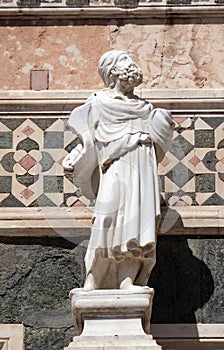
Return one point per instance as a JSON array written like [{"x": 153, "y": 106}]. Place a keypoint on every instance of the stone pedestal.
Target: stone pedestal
[{"x": 112, "y": 319}]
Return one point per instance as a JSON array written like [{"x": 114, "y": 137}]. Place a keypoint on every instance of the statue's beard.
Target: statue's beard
[{"x": 131, "y": 76}]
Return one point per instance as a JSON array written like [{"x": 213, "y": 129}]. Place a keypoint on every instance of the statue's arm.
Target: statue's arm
[
  {"x": 161, "y": 131},
  {"x": 82, "y": 160}
]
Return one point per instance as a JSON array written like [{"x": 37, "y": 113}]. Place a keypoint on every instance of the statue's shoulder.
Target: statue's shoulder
[{"x": 95, "y": 95}]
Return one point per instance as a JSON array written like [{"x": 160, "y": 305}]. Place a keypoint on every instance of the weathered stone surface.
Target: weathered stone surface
[
  {"x": 213, "y": 256},
  {"x": 12, "y": 336},
  {"x": 63, "y": 48},
  {"x": 48, "y": 338},
  {"x": 36, "y": 277},
  {"x": 174, "y": 54}
]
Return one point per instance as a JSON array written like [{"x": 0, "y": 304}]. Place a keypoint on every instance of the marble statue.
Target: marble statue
[{"x": 121, "y": 139}]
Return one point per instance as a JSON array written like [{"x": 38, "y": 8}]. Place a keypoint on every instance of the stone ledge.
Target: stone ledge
[
  {"x": 11, "y": 336},
  {"x": 171, "y": 336},
  {"x": 188, "y": 330},
  {"x": 62, "y": 102},
  {"x": 76, "y": 222},
  {"x": 108, "y": 12},
  {"x": 189, "y": 336}
]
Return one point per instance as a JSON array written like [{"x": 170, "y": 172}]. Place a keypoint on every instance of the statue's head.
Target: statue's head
[{"x": 115, "y": 65}]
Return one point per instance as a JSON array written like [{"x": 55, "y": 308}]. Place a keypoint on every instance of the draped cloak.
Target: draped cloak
[{"x": 116, "y": 164}]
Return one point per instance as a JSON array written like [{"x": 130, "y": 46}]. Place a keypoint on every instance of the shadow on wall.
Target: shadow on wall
[{"x": 183, "y": 283}]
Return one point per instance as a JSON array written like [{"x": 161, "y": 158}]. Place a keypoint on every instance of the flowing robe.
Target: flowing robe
[{"x": 116, "y": 163}]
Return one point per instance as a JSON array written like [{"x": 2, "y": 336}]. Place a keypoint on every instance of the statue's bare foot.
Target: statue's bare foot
[
  {"x": 89, "y": 283},
  {"x": 127, "y": 284}
]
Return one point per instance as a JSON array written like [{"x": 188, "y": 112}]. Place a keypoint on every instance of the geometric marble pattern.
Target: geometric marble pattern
[
  {"x": 31, "y": 154},
  {"x": 32, "y": 150},
  {"x": 192, "y": 173}
]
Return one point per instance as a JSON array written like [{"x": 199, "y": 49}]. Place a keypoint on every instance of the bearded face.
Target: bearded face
[{"x": 129, "y": 76}]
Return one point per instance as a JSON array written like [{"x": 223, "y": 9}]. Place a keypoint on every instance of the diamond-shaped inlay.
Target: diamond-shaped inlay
[
  {"x": 165, "y": 161},
  {"x": 27, "y": 193},
  {"x": 27, "y": 162},
  {"x": 180, "y": 174},
  {"x": 28, "y": 131},
  {"x": 180, "y": 147},
  {"x": 195, "y": 160}
]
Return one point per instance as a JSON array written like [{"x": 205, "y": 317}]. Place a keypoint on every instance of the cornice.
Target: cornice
[
  {"x": 75, "y": 223},
  {"x": 110, "y": 12},
  {"x": 62, "y": 102}
]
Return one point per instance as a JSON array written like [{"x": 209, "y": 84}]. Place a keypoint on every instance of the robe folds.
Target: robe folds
[{"x": 116, "y": 164}]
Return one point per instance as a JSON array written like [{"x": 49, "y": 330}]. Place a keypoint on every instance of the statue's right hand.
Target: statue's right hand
[{"x": 68, "y": 163}]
